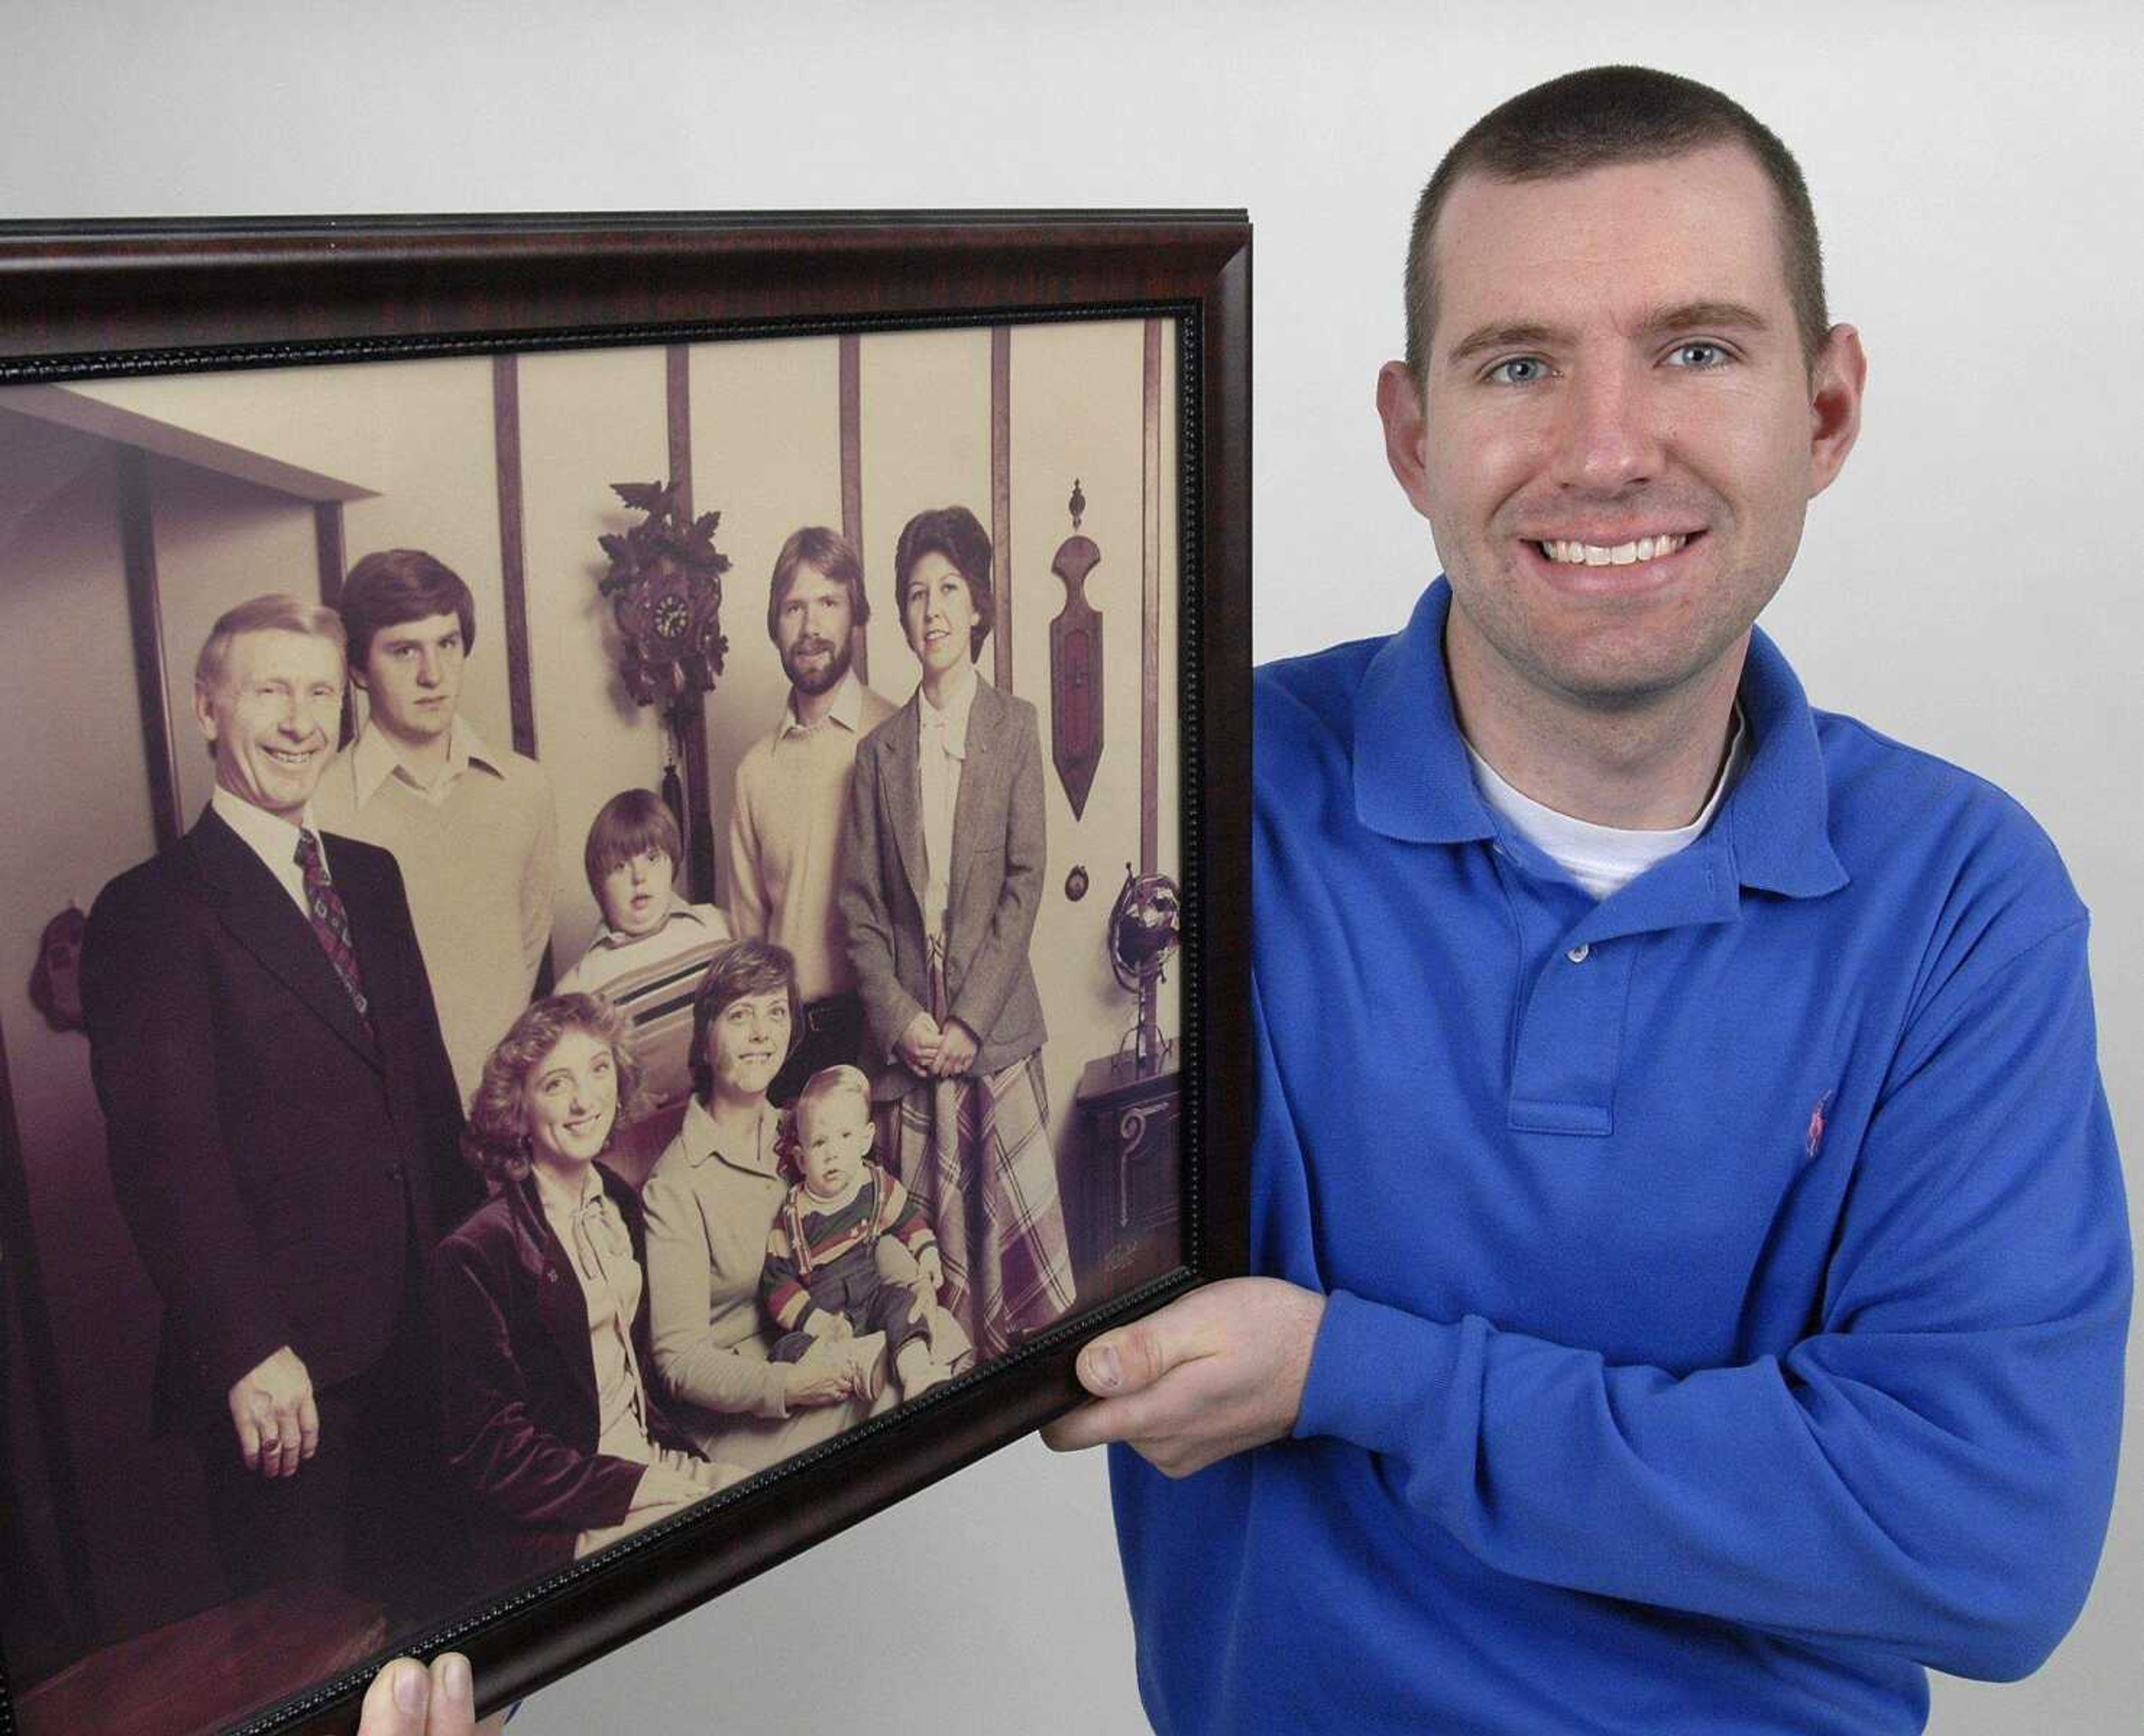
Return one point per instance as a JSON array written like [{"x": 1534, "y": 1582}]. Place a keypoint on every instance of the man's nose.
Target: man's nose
[
  {"x": 1607, "y": 439},
  {"x": 428, "y": 668}
]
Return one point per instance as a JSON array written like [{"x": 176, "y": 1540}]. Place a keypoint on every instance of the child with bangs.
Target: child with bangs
[{"x": 653, "y": 947}]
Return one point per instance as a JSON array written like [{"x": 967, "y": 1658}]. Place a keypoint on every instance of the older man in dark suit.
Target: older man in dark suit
[{"x": 281, "y": 1120}]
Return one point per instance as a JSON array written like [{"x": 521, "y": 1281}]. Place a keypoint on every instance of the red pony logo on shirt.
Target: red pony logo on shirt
[{"x": 1814, "y": 1142}]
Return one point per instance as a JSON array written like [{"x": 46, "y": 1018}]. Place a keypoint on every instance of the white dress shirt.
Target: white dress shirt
[{"x": 273, "y": 838}]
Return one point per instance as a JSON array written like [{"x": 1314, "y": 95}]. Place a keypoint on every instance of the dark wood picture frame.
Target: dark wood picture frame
[{"x": 84, "y": 302}]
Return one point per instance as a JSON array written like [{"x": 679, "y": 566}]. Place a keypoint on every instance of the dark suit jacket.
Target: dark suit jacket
[
  {"x": 518, "y": 1374},
  {"x": 281, "y": 1166},
  {"x": 1000, "y": 852}
]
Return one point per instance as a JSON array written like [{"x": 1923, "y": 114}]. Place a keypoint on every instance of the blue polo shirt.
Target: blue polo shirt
[{"x": 1728, "y": 1279}]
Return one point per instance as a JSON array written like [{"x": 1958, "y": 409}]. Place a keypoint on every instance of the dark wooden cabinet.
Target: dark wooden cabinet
[{"x": 1120, "y": 1188}]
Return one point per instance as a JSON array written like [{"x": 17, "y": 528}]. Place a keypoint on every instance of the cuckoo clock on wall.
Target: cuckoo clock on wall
[{"x": 665, "y": 587}]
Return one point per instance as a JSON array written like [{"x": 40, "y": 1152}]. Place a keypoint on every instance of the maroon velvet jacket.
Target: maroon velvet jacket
[{"x": 518, "y": 1384}]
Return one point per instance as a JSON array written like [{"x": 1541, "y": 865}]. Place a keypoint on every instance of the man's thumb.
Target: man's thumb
[{"x": 1121, "y": 1362}]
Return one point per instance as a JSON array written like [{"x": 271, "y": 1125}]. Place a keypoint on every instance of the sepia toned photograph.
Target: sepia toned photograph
[{"x": 582, "y": 923}]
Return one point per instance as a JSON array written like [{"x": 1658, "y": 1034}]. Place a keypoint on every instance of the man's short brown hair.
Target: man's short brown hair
[
  {"x": 391, "y": 586},
  {"x": 827, "y": 550},
  {"x": 1604, "y": 116}
]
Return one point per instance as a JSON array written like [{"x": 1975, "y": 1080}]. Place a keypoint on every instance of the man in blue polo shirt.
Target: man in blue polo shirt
[{"x": 1699, "y": 1264}]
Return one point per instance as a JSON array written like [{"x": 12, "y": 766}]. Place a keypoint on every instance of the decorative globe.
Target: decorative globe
[{"x": 1145, "y": 928}]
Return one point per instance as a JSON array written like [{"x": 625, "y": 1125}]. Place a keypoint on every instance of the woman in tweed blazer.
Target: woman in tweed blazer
[{"x": 942, "y": 880}]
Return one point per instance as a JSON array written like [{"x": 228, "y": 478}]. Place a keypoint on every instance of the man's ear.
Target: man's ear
[
  {"x": 1400, "y": 409},
  {"x": 204, "y": 714},
  {"x": 1836, "y": 384}
]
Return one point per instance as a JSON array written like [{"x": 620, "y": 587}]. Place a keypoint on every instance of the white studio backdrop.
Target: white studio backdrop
[{"x": 1968, "y": 585}]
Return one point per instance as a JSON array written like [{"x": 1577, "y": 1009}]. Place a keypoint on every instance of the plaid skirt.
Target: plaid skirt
[{"x": 975, "y": 1151}]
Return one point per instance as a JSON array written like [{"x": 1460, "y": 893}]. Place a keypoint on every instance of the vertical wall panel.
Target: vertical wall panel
[
  {"x": 926, "y": 427},
  {"x": 850, "y": 365},
  {"x": 768, "y": 456},
  {"x": 436, "y": 490},
  {"x": 219, "y": 541},
  {"x": 587, "y": 419},
  {"x": 78, "y": 813},
  {"x": 513, "y": 548},
  {"x": 152, "y": 664},
  {"x": 1000, "y": 518},
  {"x": 1076, "y": 392},
  {"x": 699, "y": 878}
]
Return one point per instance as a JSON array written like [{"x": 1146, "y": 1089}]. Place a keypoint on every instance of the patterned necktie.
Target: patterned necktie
[{"x": 330, "y": 921}]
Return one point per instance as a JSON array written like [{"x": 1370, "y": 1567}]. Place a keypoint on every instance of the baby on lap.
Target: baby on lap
[{"x": 822, "y": 1278}]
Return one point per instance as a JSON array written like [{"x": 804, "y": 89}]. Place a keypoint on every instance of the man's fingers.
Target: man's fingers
[
  {"x": 394, "y": 1704},
  {"x": 454, "y": 1697},
  {"x": 248, "y": 1442},
  {"x": 308, "y": 1427},
  {"x": 1151, "y": 1424},
  {"x": 1134, "y": 1418},
  {"x": 1133, "y": 1358},
  {"x": 1089, "y": 1425}
]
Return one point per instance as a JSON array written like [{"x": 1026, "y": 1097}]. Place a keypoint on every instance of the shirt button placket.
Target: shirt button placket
[{"x": 1570, "y": 1045}]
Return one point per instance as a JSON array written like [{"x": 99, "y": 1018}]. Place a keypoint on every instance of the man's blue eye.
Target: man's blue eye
[
  {"x": 1698, "y": 355},
  {"x": 1521, "y": 371}
]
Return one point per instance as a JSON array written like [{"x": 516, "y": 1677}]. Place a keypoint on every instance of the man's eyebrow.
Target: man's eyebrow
[
  {"x": 1677, "y": 316},
  {"x": 1499, "y": 337},
  {"x": 1714, "y": 316}
]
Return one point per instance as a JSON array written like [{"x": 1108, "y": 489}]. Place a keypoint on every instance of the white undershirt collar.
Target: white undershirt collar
[{"x": 1604, "y": 859}]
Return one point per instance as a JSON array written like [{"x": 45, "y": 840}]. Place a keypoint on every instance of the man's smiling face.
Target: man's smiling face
[
  {"x": 1619, "y": 433},
  {"x": 272, "y": 718}
]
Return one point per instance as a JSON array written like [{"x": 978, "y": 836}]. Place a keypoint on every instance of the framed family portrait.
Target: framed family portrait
[{"x": 625, "y": 907}]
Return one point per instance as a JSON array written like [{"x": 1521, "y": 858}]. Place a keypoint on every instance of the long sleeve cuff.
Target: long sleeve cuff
[{"x": 1376, "y": 1373}]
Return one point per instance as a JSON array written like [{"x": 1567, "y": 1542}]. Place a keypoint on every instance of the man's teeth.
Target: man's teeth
[{"x": 1621, "y": 554}]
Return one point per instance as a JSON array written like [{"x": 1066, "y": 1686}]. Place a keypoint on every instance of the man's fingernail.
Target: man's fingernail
[
  {"x": 455, "y": 1678},
  {"x": 410, "y": 1688},
  {"x": 1103, "y": 1373}
]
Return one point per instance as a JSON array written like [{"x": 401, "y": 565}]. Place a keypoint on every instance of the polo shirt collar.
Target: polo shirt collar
[
  {"x": 374, "y": 760},
  {"x": 1412, "y": 779},
  {"x": 1777, "y": 817}
]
